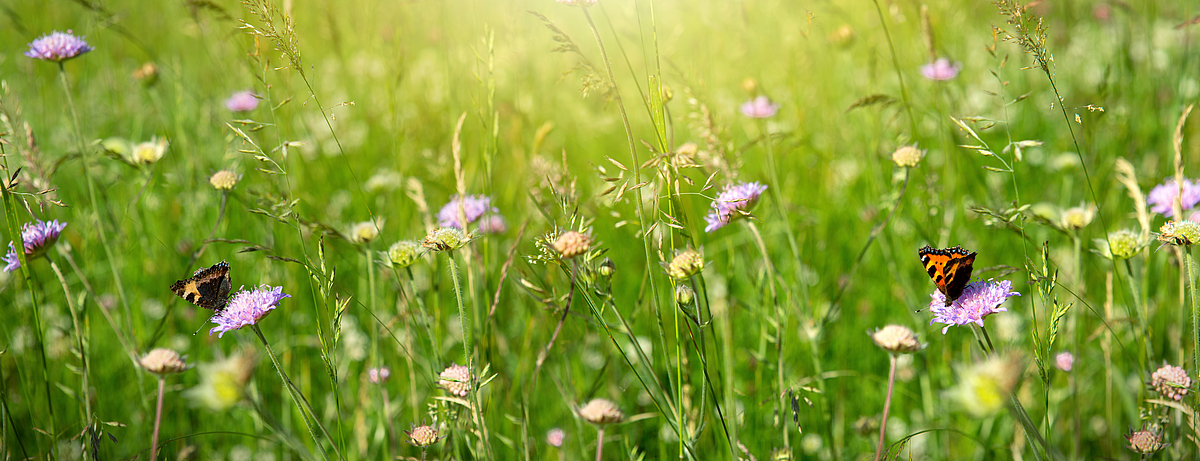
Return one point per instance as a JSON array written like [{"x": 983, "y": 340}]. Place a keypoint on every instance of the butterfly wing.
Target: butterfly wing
[
  {"x": 949, "y": 268},
  {"x": 208, "y": 288}
]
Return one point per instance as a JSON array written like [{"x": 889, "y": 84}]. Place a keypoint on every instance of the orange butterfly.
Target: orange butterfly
[{"x": 949, "y": 268}]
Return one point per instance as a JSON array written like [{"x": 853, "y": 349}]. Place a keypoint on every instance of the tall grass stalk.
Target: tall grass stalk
[
  {"x": 81, "y": 333},
  {"x": 302, "y": 405},
  {"x": 469, "y": 358}
]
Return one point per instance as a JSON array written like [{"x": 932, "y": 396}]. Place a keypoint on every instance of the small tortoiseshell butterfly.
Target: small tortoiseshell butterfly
[
  {"x": 207, "y": 288},
  {"x": 949, "y": 268}
]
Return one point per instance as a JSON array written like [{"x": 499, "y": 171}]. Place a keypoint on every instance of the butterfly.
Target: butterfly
[
  {"x": 949, "y": 268},
  {"x": 207, "y": 288}
]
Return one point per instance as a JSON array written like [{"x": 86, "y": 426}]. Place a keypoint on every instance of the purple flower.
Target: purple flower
[
  {"x": 378, "y": 375},
  {"x": 247, "y": 308},
  {"x": 760, "y": 107},
  {"x": 38, "y": 237},
  {"x": 941, "y": 69},
  {"x": 242, "y": 101},
  {"x": 57, "y": 46},
  {"x": 493, "y": 224},
  {"x": 474, "y": 206},
  {"x": 1064, "y": 361},
  {"x": 733, "y": 202},
  {"x": 978, "y": 300},
  {"x": 1162, "y": 197}
]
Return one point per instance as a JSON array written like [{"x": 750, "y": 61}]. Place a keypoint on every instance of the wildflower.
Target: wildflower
[
  {"x": 57, "y": 46},
  {"x": 224, "y": 180},
  {"x": 601, "y": 412},
  {"x": 760, "y": 107},
  {"x": 38, "y": 237},
  {"x": 364, "y": 232},
  {"x": 1171, "y": 382},
  {"x": 242, "y": 101},
  {"x": 1121, "y": 244},
  {"x": 555, "y": 437},
  {"x": 474, "y": 207},
  {"x": 1162, "y": 197},
  {"x": 734, "y": 201},
  {"x": 1064, "y": 361},
  {"x": 150, "y": 151},
  {"x": 163, "y": 362},
  {"x": 1179, "y": 233},
  {"x": 908, "y": 156},
  {"x": 247, "y": 308},
  {"x": 223, "y": 383},
  {"x": 455, "y": 379},
  {"x": 978, "y": 300},
  {"x": 896, "y": 339},
  {"x": 403, "y": 253},
  {"x": 446, "y": 239},
  {"x": 941, "y": 69},
  {"x": 423, "y": 436},
  {"x": 1145, "y": 441},
  {"x": 983, "y": 388},
  {"x": 1079, "y": 217},
  {"x": 378, "y": 375},
  {"x": 579, "y": 3},
  {"x": 493, "y": 224},
  {"x": 570, "y": 244},
  {"x": 147, "y": 74},
  {"x": 685, "y": 264},
  {"x": 684, "y": 295},
  {"x": 750, "y": 85}
]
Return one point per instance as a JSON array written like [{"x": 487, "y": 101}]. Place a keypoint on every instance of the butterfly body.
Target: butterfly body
[
  {"x": 207, "y": 288},
  {"x": 950, "y": 269}
]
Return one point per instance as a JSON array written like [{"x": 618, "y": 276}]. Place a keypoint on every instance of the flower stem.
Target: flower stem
[
  {"x": 599, "y": 443},
  {"x": 298, "y": 398},
  {"x": 81, "y": 344},
  {"x": 162, "y": 385},
  {"x": 566, "y": 310},
  {"x": 887, "y": 403},
  {"x": 468, "y": 353}
]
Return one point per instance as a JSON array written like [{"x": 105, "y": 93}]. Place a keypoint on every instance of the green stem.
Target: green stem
[
  {"x": 1191, "y": 264},
  {"x": 468, "y": 354},
  {"x": 298, "y": 398},
  {"x": 81, "y": 344}
]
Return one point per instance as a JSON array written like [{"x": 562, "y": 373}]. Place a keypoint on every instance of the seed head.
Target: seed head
[
  {"x": 456, "y": 379},
  {"x": 1171, "y": 382},
  {"x": 570, "y": 244},
  {"x": 163, "y": 362},
  {"x": 403, "y": 253},
  {"x": 1145, "y": 441},
  {"x": 896, "y": 339},
  {"x": 908, "y": 156},
  {"x": 423, "y": 436},
  {"x": 224, "y": 180},
  {"x": 685, "y": 264},
  {"x": 601, "y": 412}
]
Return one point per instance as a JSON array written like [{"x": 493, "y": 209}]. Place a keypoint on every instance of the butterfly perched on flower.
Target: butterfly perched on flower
[
  {"x": 950, "y": 269},
  {"x": 207, "y": 288}
]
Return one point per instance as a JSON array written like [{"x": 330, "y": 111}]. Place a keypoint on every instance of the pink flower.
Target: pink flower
[
  {"x": 242, "y": 101},
  {"x": 57, "y": 46},
  {"x": 978, "y": 300},
  {"x": 1064, "y": 361},
  {"x": 760, "y": 107},
  {"x": 941, "y": 69},
  {"x": 247, "y": 308}
]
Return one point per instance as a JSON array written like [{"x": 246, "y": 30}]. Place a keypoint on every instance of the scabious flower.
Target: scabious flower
[
  {"x": 760, "y": 107},
  {"x": 897, "y": 339},
  {"x": 978, "y": 300},
  {"x": 57, "y": 46},
  {"x": 1171, "y": 382},
  {"x": 247, "y": 308},
  {"x": 38, "y": 236},
  {"x": 364, "y": 232},
  {"x": 1145, "y": 441},
  {"x": 1076, "y": 218},
  {"x": 150, "y": 151},
  {"x": 474, "y": 207},
  {"x": 163, "y": 362},
  {"x": 1121, "y": 244},
  {"x": 601, "y": 412},
  {"x": 555, "y": 437},
  {"x": 734, "y": 201},
  {"x": 493, "y": 224},
  {"x": 1064, "y": 361},
  {"x": 224, "y": 180},
  {"x": 423, "y": 436},
  {"x": 242, "y": 101},
  {"x": 378, "y": 375},
  {"x": 685, "y": 264},
  {"x": 446, "y": 239},
  {"x": 941, "y": 69},
  {"x": 455, "y": 379},
  {"x": 1179, "y": 233},
  {"x": 570, "y": 244},
  {"x": 1162, "y": 197},
  {"x": 908, "y": 156},
  {"x": 403, "y": 253}
]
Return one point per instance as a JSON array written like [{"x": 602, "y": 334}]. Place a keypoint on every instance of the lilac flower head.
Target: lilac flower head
[
  {"x": 941, "y": 69},
  {"x": 1162, "y": 197},
  {"x": 38, "y": 236},
  {"x": 760, "y": 107},
  {"x": 978, "y": 300},
  {"x": 734, "y": 201},
  {"x": 57, "y": 46},
  {"x": 247, "y": 308},
  {"x": 474, "y": 207},
  {"x": 242, "y": 101}
]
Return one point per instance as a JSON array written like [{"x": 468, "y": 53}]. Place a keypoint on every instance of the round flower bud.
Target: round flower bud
[
  {"x": 908, "y": 156},
  {"x": 897, "y": 339},
  {"x": 1123, "y": 244},
  {"x": 163, "y": 362},
  {"x": 423, "y": 436},
  {"x": 607, "y": 268},
  {"x": 601, "y": 412},
  {"x": 684, "y": 295},
  {"x": 571, "y": 244},
  {"x": 1171, "y": 382},
  {"x": 1144, "y": 441},
  {"x": 403, "y": 253},
  {"x": 455, "y": 379},
  {"x": 685, "y": 264},
  {"x": 224, "y": 180}
]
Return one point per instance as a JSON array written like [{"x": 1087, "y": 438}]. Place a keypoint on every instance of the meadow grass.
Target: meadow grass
[{"x": 621, "y": 230}]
